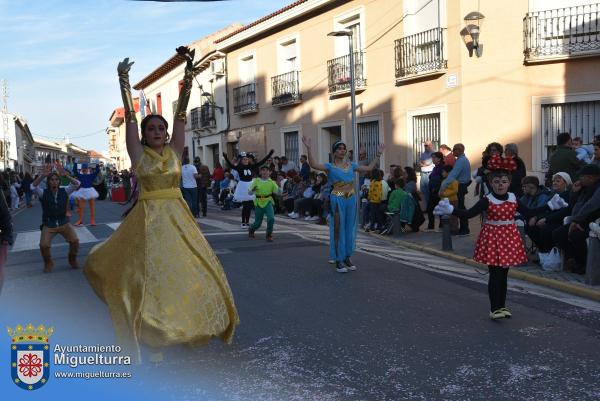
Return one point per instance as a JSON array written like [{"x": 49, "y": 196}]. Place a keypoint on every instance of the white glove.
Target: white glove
[
  {"x": 557, "y": 203},
  {"x": 443, "y": 208}
]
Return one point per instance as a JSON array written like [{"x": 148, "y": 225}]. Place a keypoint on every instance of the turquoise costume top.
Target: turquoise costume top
[
  {"x": 336, "y": 174},
  {"x": 342, "y": 245}
]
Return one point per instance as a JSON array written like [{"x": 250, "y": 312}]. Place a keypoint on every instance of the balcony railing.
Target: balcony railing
[
  {"x": 421, "y": 53},
  {"x": 570, "y": 31},
  {"x": 244, "y": 99},
  {"x": 285, "y": 89},
  {"x": 195, "y": 117},
  {"x": 207, "y": 115},
  {"x": 338, "y": 71}
]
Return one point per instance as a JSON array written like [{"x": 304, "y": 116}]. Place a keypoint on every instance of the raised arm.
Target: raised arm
[
  {"x": 180, "y": 113},
  {"x": 44, "y": 174},
  {"x": 229, "y": 164},
  {"x": 311, "y": 161},
  {"x": 135, "y": 149},
  {"x": 262, "y": 161},
  {"x": 371, "y": 166}
]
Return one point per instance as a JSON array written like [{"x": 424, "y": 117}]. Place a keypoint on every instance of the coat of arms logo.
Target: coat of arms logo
[{"x": 30, "y": 355}]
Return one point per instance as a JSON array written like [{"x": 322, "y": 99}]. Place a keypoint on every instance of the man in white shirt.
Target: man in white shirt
[
  {"x": 287, "y": 165},
  {"x": 189, "y": 188}
]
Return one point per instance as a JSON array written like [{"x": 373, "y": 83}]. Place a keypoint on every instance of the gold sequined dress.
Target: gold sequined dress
[{"x": 157, "y": 273}]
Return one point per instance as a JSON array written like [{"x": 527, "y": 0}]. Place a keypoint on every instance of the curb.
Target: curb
[{"x": 513, "y": 273}]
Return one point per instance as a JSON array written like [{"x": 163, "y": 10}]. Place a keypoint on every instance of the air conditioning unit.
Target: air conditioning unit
[{"x": 217, "y": 67}]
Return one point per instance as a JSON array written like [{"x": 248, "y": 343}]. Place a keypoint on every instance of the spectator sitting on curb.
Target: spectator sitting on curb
[
  {"x": 397, "y": 196},
  {"x": 534, "y": 194},
  {"x": 585, "y": 201},
  {"x": 378, "y": 191},
  {"x": 541, "y": 232}
]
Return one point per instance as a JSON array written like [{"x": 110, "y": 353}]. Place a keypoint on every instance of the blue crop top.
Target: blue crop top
[{"x": 336, "y": 174}]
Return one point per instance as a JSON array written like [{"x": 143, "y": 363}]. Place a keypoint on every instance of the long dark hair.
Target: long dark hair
[{"x": 411, "y": 175}]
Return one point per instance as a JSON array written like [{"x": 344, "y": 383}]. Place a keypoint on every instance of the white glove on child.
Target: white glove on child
[
  {"x": 557, "y": 203},
  {"x": 443, "y": 208}
]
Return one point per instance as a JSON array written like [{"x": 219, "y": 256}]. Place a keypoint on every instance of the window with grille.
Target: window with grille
[
  {"x": 290, "y": 143},
  {"x": 368, "y": 138},
  {"x": 425, "y": 127},
  {"x": 580, "y": 119}
]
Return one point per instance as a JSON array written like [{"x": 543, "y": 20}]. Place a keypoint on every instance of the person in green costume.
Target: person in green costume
[{"x": 263, "y": 188}]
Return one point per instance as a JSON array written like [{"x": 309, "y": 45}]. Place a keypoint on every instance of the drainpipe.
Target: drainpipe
[{"x": 226, "y": 102}]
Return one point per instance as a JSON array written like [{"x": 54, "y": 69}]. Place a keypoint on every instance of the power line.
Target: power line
[{"x": 103, "y": 130}]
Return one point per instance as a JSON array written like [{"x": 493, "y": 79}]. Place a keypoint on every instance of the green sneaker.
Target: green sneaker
[
  {"x": 506, "y": 312},
  {"x": 497, "y": 314}
]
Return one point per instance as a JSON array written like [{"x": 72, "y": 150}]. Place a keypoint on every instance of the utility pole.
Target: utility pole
[{"x": 6, "y": 142}]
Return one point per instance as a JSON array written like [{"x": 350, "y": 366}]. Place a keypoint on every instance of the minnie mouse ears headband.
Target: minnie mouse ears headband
[{"x": 501, "y": 163}]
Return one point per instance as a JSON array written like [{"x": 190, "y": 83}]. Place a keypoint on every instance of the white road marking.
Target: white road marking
[
  {"x": 29, "y": 240},
  {"x": 114, "y": 226}
]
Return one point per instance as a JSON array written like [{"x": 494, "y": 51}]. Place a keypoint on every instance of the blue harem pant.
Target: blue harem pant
[{"x": 346, "y": 241}]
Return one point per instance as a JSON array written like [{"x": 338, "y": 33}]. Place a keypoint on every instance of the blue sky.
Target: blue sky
[{"x": 60, "y": 56}]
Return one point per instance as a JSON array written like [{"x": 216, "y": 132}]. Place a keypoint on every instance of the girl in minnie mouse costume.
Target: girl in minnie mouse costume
[{"x": 499, "y": 244}]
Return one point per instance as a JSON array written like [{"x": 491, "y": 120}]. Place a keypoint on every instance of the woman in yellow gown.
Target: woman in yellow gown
[{"x": 160, "y": 278}]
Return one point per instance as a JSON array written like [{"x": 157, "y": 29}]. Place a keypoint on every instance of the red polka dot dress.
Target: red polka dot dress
[{"x": 499, "y": 242}]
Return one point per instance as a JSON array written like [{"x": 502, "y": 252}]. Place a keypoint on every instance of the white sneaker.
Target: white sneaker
[
  {"x": 244, "y": 225},
  {"x": 307, "y": 218},
  {"x": 342, "y": 269},
  {"x": 295, "y": 215},
  {"x": 313, "y": 218},
  {"x": 290, "y": 214}
]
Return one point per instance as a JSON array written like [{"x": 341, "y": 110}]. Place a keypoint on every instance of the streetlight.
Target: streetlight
[{"x": 348, "y": 34}]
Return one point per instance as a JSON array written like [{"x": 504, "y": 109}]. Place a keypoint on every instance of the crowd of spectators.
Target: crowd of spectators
[{"x": 573, "y": 173}]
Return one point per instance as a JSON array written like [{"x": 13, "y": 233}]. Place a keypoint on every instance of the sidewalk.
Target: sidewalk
[{"x": 431, "y": 242}]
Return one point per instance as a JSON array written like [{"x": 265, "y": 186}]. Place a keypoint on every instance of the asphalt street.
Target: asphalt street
[{"x": 405, "y": 326}]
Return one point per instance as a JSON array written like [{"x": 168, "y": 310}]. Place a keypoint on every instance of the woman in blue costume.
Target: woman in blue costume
[{"x": 342, "y": 202}]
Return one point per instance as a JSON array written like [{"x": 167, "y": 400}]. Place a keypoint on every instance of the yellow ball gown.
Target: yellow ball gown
[{"x": 160, "y": 278}]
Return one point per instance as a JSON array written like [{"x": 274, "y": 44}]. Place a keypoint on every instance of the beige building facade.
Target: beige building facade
[
  {"x": 418, "y": 75},
  {"x": 206, "y": 111}
]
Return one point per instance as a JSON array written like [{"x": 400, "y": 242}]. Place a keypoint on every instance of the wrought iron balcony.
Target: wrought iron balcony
[
  {"x": 285, "y": 89},
  {"x": 244, "y": 99},
  {"x": 562, "y": 32},
  {"x": 338, "y": 72},
  {"x": 420, "y": 54},
  {"x": 207, "y": 115},
  {"x": 195, "y": 117}
]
